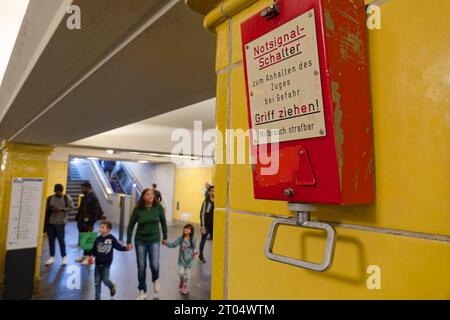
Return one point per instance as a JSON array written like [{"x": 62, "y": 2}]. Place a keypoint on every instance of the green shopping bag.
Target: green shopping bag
[{"x": 87, "y": 239}]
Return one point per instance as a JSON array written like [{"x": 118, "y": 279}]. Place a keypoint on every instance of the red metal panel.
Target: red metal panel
[
  {"x": 336, "y": 168},
  {"x": 346, "y": 40}
]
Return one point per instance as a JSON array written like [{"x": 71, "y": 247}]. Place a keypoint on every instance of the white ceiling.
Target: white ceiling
[
  {"x": 82, "y": 85},
  {"x": 155, "y": 134},
  {"x": 184, "y": 118},
  {"x": 11, "y": 16}
]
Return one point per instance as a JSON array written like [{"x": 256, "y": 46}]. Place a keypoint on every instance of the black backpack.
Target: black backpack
[{"x": 99, "y": 214}]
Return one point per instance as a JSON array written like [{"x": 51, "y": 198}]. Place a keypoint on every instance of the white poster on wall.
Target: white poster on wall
[
  {"x": 24, "y": 213},
  {"x": 284, "y": 82}
]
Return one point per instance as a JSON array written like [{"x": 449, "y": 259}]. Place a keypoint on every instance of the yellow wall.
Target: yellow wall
[
  {"x": 57, "y": 173},
  {"x": 407, "y": 231},
  {"x": 189, "y": 192}
]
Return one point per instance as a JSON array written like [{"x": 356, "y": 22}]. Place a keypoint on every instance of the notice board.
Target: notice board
[{"x": 24, "y": 213}]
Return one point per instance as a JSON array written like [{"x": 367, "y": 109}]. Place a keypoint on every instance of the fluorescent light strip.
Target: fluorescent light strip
[{"x": 152, "y": 154}]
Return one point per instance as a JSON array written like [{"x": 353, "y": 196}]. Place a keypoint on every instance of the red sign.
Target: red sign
[{"x": 306, "y": 71}]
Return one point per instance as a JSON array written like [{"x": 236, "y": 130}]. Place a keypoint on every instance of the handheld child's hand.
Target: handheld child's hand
[
  {"x": 203, "y": 230},
  {"x": 194, "y": 253},
  {"x": 130, "y": 246},
  {"x": 165, "y": 242}
]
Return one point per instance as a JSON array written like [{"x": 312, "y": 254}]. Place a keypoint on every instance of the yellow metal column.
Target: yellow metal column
[
  {"x": 21, "y": 161},
  {"x": 219, "y": 20}
]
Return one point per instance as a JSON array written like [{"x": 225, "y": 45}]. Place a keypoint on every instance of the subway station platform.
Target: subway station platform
[{"x": 57, "y": 282}]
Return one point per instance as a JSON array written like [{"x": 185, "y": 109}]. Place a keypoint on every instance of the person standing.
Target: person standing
[
  {"x": 148, "y": 215},
  {"x": 89, "y": 212},
  {"x": 114, "y": 185},
  {"x": 58, "y": 205},
  {"x": 205, "y": 190},
  {"x": 108, "y": 167},
  {"x": 157, "y": 192},
  {"x": 206, "y": 220}
]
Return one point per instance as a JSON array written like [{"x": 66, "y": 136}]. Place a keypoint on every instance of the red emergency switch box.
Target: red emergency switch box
[{"x": 307, "y": 81}]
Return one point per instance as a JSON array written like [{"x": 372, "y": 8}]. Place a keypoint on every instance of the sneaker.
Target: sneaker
[
  {"x": 142, "y": 295},
  {"x": 181, "y": 284},
  {"x": 85, "y": 262},
  {"x": 184, "y": 290},
  {"x": 113, "y": 290},
  {"x": 80, "y": 259},
  {"x": 65, "y": 261},
  {"x": 156, "y": 286},
  {"x": 202, "y": 260},
  {"x": 50, "y": 261}
]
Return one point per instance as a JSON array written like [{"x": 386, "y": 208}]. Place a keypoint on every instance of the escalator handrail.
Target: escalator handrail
[
  {"x": 101, "y": 177},
  {"x": 131, "y": 176}
]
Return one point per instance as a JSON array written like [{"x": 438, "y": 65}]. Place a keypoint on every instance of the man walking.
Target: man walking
[
  {"x": 157, "y": 193},
  {"x": 89, "y": 212}
]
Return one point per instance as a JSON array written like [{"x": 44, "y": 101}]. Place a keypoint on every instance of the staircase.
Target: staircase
[{"x": 74, "y": 182}]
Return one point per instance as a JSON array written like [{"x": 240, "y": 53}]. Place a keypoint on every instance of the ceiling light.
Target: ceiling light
[
  {"x": 143, "y": 161},
  {"x": 110, "y": 151},
  {"x": 173, "y": 156},
  {"x": 93, "y": 158}
]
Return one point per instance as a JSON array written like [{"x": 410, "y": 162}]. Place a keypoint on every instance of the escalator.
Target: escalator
[
  {"x": 109, "y": 186},
  {"x": 108, "y": 167},
  {"x": 119, "y": 177}
]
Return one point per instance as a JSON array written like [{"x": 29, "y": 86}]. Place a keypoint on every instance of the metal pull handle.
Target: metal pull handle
[{"x": 303, "y": 220}]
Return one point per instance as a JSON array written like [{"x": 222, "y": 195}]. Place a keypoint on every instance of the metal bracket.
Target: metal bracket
[
  {"x": 271, "y": 11},
  {"x": 303, "y": 220}
]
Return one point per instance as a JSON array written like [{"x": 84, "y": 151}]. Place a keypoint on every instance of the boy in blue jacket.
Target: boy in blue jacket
[{"x": 103, "y": 253}]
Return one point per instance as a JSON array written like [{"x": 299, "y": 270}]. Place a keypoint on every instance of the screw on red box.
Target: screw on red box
[{"x": 307, "y": 81}]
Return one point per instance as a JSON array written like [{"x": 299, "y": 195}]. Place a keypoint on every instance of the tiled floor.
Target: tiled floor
[{"x": 60, "y": 283}]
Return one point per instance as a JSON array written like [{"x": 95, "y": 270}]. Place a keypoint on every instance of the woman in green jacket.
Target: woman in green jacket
[{"x": 148, "y": 214}]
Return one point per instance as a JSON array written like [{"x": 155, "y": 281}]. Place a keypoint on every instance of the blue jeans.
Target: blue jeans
[
  {"x": 101, "y": 274},
  {"x": 56, "y": 231},
  {"x": 142, "y": 251}
]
